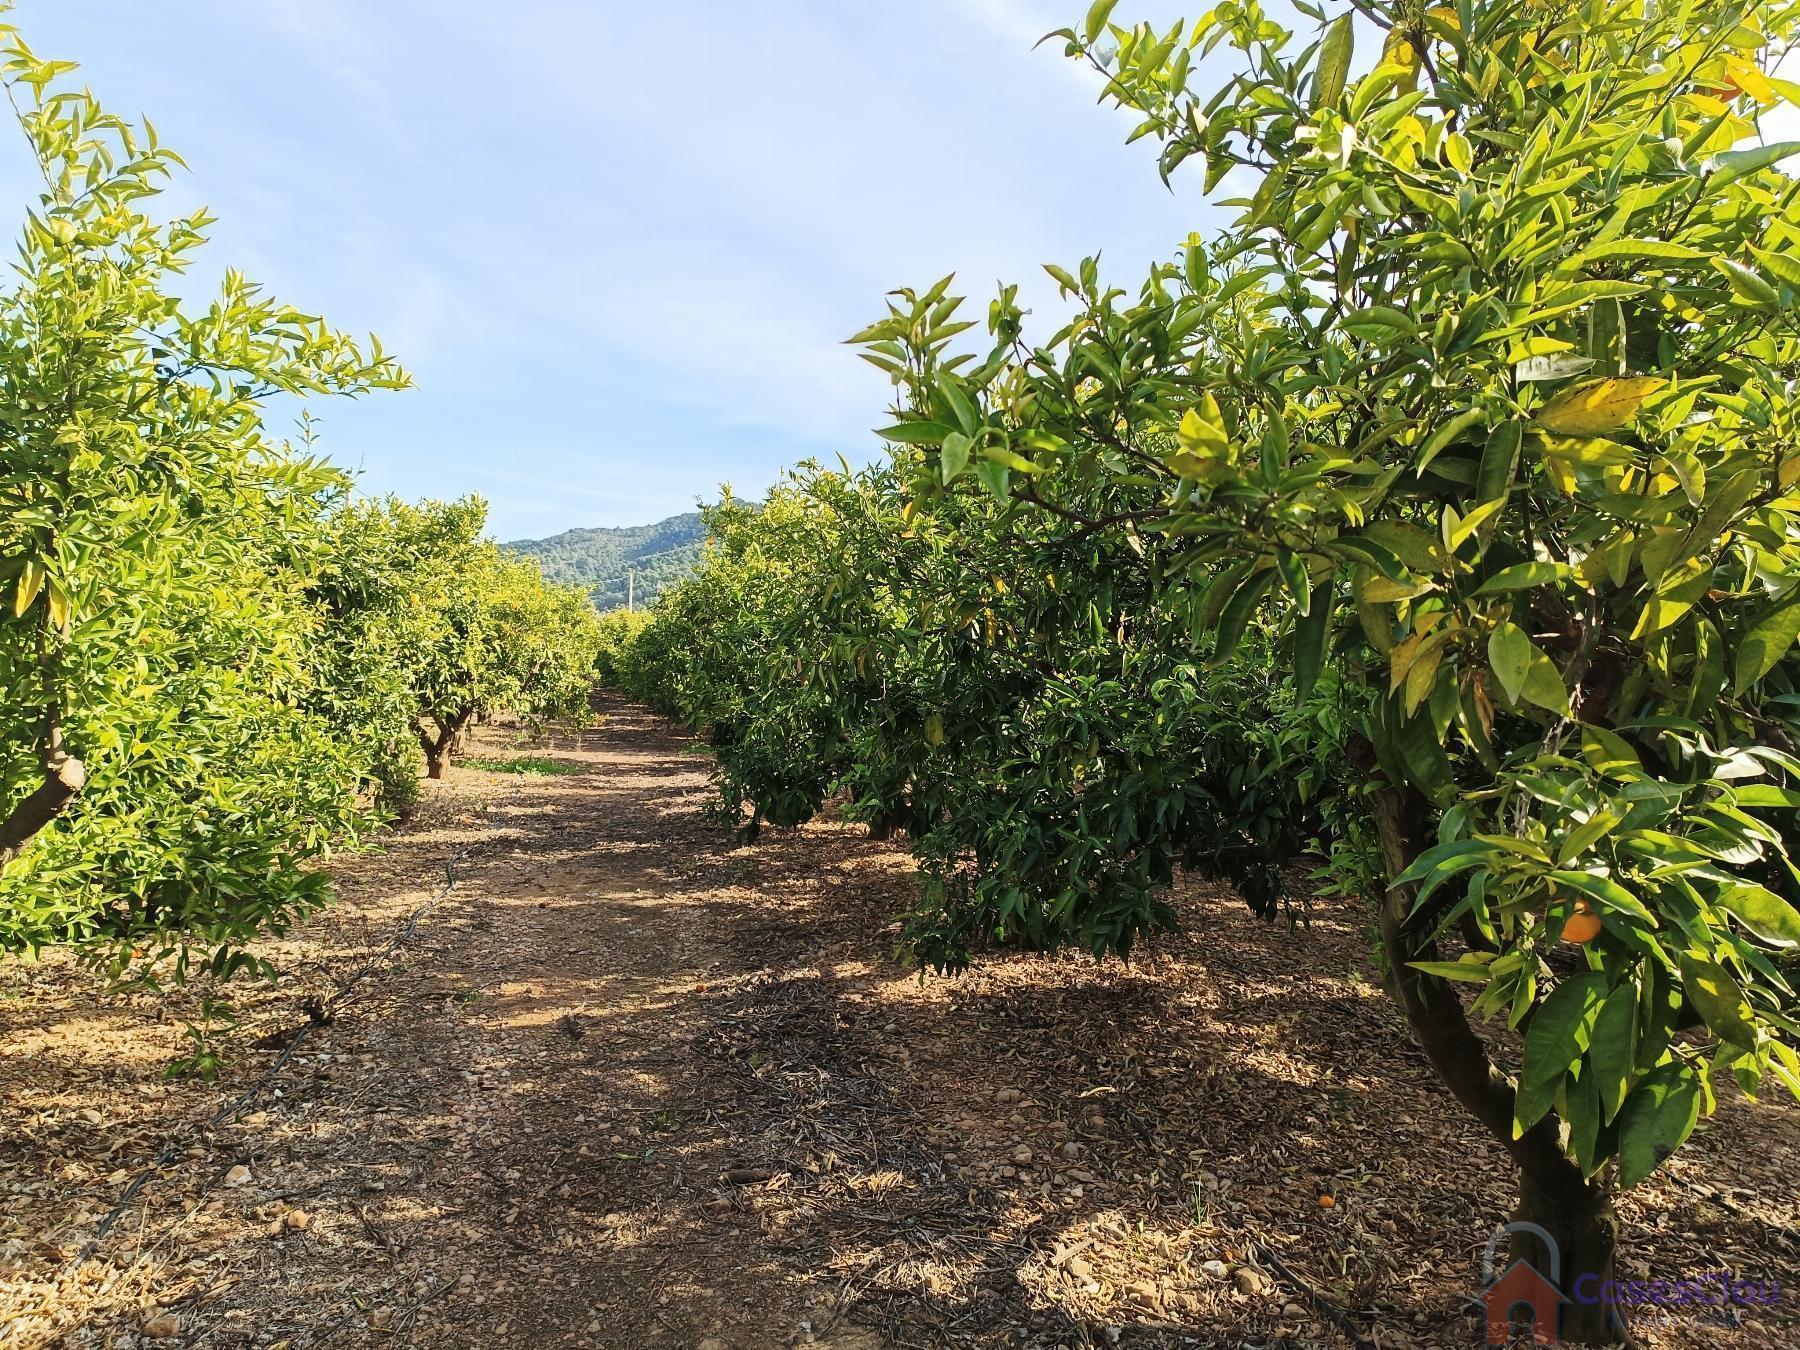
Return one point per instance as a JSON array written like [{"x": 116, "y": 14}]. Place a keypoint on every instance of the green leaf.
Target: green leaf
[
  {"x": 1468, "y": 972},
  {"x": 952, "y": 390},
  {"x": 1657, "y": 1117},
  {"x": 1769, "y": 639},
  {"x": 1446, "y": 435},
  {"x": 954, "y": 457},
  {"x": 1784, "y": 267},
  {"x": 1764, "y": 913},
  {"x": 1523, "y": 576},
  {"x": 1379, "y": 323},
  {"x": 1610, "y": 894},
  {"x": 1012, "y": 459},
  {"x": 1510, "y": 654},
  {"x": 1334, "y": 63},
  {"x": 1499, "y": 462},
  {"x": 1719, "y": 1000},
  {"x": 1293, "y": 573},
  {"x": 1747, "y": 286},
  {"x": 1612, "y": 1051},
  {"x": 1735, "y": 164},
  {"x": 995, "y": 477},
  {"x": 1555, "y": 1039},
  {"x": 1609, "y": 753},
  {"x": 1638, "y": 250},
  {"x": 916, "y": 433},
  {"x": 1582, "y": 1111},
  {"x": 1311, "y": 636},
  {"x": 1237, "y": 611},
  {"x": 1202, "y": 429},
  {"x": 1097, "y": 16}
]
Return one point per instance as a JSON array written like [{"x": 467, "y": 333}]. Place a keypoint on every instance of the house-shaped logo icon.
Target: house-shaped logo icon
[{"x": 1521, "y": 1287}]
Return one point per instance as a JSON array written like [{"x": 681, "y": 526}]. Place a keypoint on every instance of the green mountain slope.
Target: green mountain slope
[{"x": 659, "y": 554}]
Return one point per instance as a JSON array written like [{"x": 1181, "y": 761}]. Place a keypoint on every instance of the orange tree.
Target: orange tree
[
  {"x": 462, "y": 629},
  {"x": 1487, "y": 398},
  {"x": 164, "y": 771},
  {"x": 1022, "y": 705}
]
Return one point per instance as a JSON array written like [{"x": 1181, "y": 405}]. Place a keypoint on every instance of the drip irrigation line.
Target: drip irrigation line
[
  {"x": 1338, "y": 1316},
  {"x": 318, "y": 1017}
]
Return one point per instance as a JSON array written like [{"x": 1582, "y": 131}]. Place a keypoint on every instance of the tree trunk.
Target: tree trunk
[
  {"x": 63, "y": 779},
  {"x": 1553, "y": 1193},
  {"x": 1581, "y": 1221},
  {"x": 438, "y": 748},
  {"x": 888, "y": 823}
]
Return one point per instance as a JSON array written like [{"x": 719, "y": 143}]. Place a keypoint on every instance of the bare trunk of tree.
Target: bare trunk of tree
[
  {"x": 889, "y": 823},
  {"x": 64, "y": 775},
  {"x": 438, "y": 748},
  {"x": 63, "y": 779},
  {"x": 1581, "y": 1221}
]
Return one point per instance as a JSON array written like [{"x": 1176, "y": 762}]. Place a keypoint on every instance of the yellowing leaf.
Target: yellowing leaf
[
  {"x": 1537, "y": 345},
  {"x": 1202, "y": 429},
  {"x": 1751, "y": 80},
  {"x": 1598, "y": 406}
]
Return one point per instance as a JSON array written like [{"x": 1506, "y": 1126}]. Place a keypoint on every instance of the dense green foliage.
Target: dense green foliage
[
  {"x": 164, "y": 773},
  {"x": 1483, "y": 411},
  {"x": 213, "y": 666},
  {"x": 431, "y": 626},
  {"x": 654, "y": 557},
  {"x": 494, "y": 633},
  {"x": 1019, "y": 703}
]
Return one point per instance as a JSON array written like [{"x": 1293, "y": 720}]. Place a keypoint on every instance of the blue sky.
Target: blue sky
[{"x": 619, "y": 246}]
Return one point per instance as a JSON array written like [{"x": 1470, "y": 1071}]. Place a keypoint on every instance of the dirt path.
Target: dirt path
[{"x": 632, "y": 1084}]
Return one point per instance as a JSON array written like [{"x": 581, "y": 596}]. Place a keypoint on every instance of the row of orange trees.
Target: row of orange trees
[
  {"x": 1440, "y": 513},
  {"x": 214, "y": 665}
]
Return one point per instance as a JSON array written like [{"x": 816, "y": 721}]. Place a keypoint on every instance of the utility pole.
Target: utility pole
[{"x": 630, "y": 587}]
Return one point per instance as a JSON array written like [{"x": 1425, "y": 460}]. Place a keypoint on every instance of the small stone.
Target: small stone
[
  {"x": 1078, "y": 1269},
  {"x": 1292, "y": 1310},
  {"x": 162, "y": 1325},
  {"x": 1217, "y": 1269},
  {"x": 237, "y": 1176},
  {"x": 1248, "y": 1281},
  {"x": 381, "y": 1318},
  {"x": 713, "y": 1343},
  {"x": 1070, "y": 1149},
  {"x": 298, "y": 1220},
  {"x": 1007, "y": 1096},
  {"x": 1022, "y": 1155}
]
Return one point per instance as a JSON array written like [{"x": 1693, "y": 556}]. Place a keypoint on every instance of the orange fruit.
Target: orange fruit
[
  {"x": 1583, "y": 925},
  {"x": 1327, "y": 1201}
]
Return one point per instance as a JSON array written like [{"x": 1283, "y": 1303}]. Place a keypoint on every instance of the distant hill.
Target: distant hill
[{"x": 660, "y": 554}]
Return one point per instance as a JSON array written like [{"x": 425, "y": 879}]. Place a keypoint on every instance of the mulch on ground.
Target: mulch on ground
[{"x": 633, "y": 1083}]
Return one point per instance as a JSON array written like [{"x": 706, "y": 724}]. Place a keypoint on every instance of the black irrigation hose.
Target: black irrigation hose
[
  {"x": 1318, "y": 1300},
  {"x": 320, "y": 1016}
]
